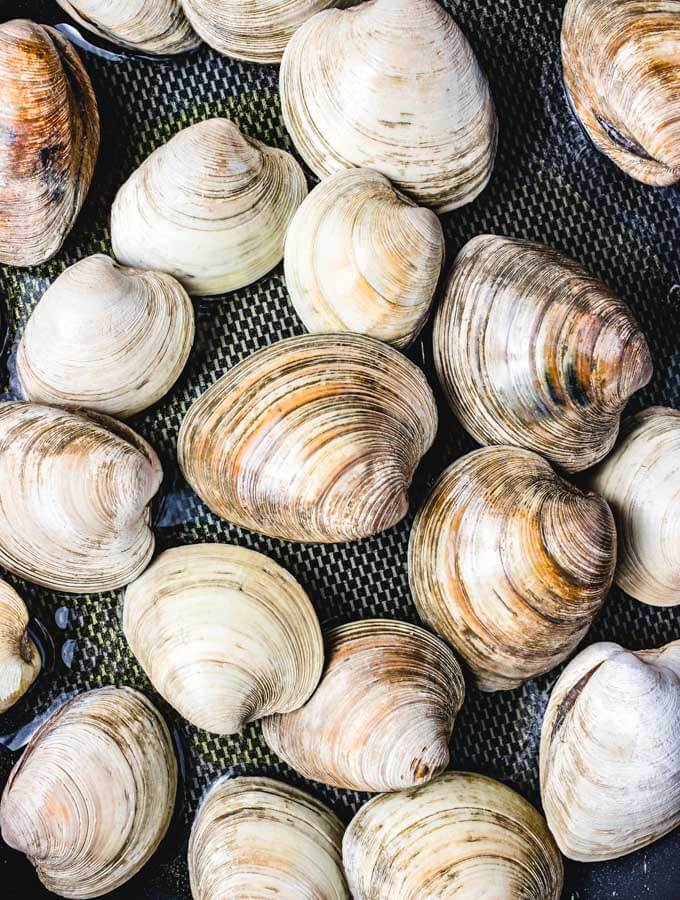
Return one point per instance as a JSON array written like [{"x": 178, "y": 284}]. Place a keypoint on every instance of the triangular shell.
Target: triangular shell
[
  {"x": 391, "y": 85},
  {"x": 19, "y": 657}
]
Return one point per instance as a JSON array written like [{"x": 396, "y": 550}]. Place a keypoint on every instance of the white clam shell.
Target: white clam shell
[{"x": 19, "y": 657}]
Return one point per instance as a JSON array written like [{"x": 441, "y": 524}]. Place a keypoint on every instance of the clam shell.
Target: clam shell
[
  {"x": 19, "y": 657},
  {"x": 533, "y": 351}
]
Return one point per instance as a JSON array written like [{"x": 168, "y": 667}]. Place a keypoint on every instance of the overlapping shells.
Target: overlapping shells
[{"x": 20, "y": 661}]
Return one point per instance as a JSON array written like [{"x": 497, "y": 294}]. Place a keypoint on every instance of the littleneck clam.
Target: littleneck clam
[
  {"x": 510, "y": 564},
  {"x": 392, "y": 85},
  {"x": 360, "y": 257},
  {"x": 464, "y": 836},
  {"x": 210, "y": 207},
  {"x": 107, "y": 338},
  {"x": 224, "y": 634},
  {"x": 74, "y": 498},
  {"x": 49, "y": 140},
  {"x": 19, "y": 657},
  {"x": 92, "y": 796},
  {"x": 610, "y": 751},
  {"x": 314, "y": 438},
  {"x": 382, "y": 715},
  {"x": 256, "y": 837},
  {"x": 533, "y": 351},
  {"x": 621, "y": 64}
]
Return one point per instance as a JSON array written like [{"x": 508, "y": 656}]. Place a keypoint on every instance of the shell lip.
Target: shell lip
[{"x": 99, "y": 46}]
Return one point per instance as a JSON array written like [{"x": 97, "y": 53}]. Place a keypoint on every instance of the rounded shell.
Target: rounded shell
[{"x": 19, "y": 657}]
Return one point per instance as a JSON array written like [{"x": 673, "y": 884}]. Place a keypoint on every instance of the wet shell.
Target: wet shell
[
  {"x": 256, "y": 837},
  {"x": 392, "y": 85},
  {"x": 621, "y": 64},
  {"x": 210, "y": 207},
  {"x": 74, "y": 495},
  {"x": 533, "y": 351},
  {"x": 49, "y": 140},
  {"x": 382, "y": 715},
  {"x": 610, "y": 751},
  {"x": 510, "y": 564},
  {"x": 19, "y": 658},
  {"x": 314, "y": 438},
  {"x": 224, "y": 634},
  {"x": 360, "y": 257},
  {"x": 464, "y": 836},
  {"x": 107, "y": 338}
]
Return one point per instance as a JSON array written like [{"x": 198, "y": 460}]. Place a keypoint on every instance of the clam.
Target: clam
[
  {"x": 224, "y": 634},
  {"x": 74, "y": 498},
  {"x": 533, "y": 351},
  {"x": 314, "y": 438},
  {"x": 382, "y": 715},
  {"x": 210, "y": 207},
  {"x": 510, "y": 564},
  {"x": 610, "y": 751},
  {"x": 19, "y": 657},
  {"x": 392, "y": 85},
  {"x": 49, "y": 140},
  {"x": 361, "y": 257},
  {"x": 621, "y": 64},
  {"x": 256, "y": 837},
  {"x": 464, "y": 836},
  {"x": 92, "y": 796}
]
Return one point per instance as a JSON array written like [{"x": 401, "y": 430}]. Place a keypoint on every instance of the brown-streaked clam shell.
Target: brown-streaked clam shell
[{"x": 20, "y": 661}]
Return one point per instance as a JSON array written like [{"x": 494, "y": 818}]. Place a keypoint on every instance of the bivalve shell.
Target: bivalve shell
[{"x": 19, "y": 657}]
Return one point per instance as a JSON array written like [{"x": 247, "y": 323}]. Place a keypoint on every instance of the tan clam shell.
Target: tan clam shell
[
  {"x": 75, "y": 490},
  {"x": 621, "y": 64},
  {"x": 210, "y": 207},
  {"x": 382, "y": 715},
  {"x": 256, "y": 837},
  {"x": 610, "y": 751},
  {"x": 314, "y": 438},
  {"x": 19, "y": 657},
  {"x": 360, "y": 257},
  {"x": 462, "y": 835},
  {"x": 92, "y": 796},
  {"x": 225, "y": 635},
  {"x": 533, "y": 351},
  {"x": 392, "y": 85},
  {"x": 50, "y": 111}
]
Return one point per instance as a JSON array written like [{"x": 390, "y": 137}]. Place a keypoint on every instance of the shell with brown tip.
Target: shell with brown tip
[{"x": 19, "y": 657}]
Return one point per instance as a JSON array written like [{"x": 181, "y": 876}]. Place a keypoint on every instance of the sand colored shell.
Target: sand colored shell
[{"x": 19, "y": 657}]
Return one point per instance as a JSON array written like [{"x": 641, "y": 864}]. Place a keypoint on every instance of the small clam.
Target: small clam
[
  {"x": 464, "y": 836},
  {"x": 314, "y": 438},
  {"x": 391, "y": 85},
  {"x": 19, "y": 657},
  {"x": 92, "y": 796},
  {"x": 533, "y": 351},
  {"x": 256, "y": 837},
  {"x": 382, "y": 715},
  {"x": 610, "y": 751},
  {"x": 49, "y": 140},
  {"x": 211, "y": 207},
  {"x": 361, "y": 257}
]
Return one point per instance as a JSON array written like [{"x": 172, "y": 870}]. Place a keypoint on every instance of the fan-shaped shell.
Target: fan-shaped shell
[
  {"x": 210, "y": 207},
  {"x": 464, "y": 836},
  {"x": 19, "y": 657},
  {"x": 74, "y": 495},
  {"x": 391, "y": 85},
  {"x": 382, "y": 715},
  {"x": 610, "y": 751},
  {"x": 314, "y": 438},
  {"x": 50, "y": 139},
  {"x": 93, "y": 794},
  {"x": 360, "y": 257},
  {"x": 533, "y": 351},
  {"x": 256, "y": 837}
]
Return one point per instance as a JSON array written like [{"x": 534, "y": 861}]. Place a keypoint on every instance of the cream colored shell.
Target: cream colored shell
[{"x": 19, "y": 657}]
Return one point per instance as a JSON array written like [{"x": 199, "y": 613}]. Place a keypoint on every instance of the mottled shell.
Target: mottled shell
[
  {"x": 462, "y": 836},
  {"x": 74, "y": 498},
  {"x": 314, "y": 438},
  {"x": 19, "y": 657},
  {"x": 610, "y": 751},
  {"x": 224, "y": 634},
  {"x": 533, "y": 351},
  {"x": 256, "y": 837},
  {"x": 360, "y": 257},
  {"x": 382, "y": 715},
  {"x": 621, "y": 64},
  {"x": 392, "y": 85},
  {"x": 107, "y": 338},
  {"x": 210, "y": 207},
  {"x": 92, "y": 796},
  {"x": 49, "y": 141}
]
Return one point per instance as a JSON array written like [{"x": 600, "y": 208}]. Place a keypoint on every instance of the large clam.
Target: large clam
[{"x": 19, "y": 657}]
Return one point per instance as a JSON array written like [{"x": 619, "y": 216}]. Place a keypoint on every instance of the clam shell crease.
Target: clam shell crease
[{"x": 20, "y": 661}]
